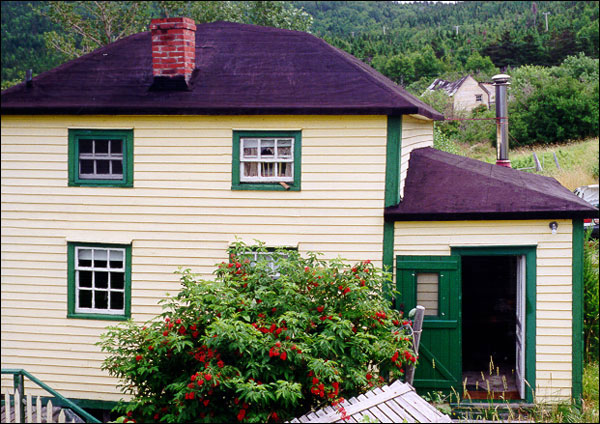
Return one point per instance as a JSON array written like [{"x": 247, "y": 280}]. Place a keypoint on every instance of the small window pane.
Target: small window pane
[
  {"x": 84, "y": 257},
  {"x": 267, "y": 169},
  {"x": 250, "y": 148},
  {"x": 116, "y": 147},
  {"x": 285, "y": 169},
  {"x": 101, "y": 147},
  {"x": 85, "y": 298},
  {"x": 100, "y": 258},
  {"x": 284, "y": 149},
  {"x": 85, "y": 278},
  {"x": 267, "y": 148},
  {"x": 86, "y": 146},
  {"x": 427, "y": 292},
  {"x": 101, "y": 280},
  {"x": 117, "y": 167},
  {"x": 250, "y": 169},
  {"x": 86, "y": 167},
  {"x": 117, "y": 280},
  {"x": 116, "y": 300},
  {"x": 103, "y": 167},
  {"x": 116, "y": 259},
  {"x": 101, "y": 299}
]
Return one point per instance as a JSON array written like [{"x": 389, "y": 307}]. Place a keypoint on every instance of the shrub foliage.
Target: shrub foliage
[
  {"x": 590, "y": 297},
  {"x": 260, "y": 343}
]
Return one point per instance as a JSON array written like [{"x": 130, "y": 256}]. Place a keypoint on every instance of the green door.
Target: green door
[{"x": 434, "y": 282}]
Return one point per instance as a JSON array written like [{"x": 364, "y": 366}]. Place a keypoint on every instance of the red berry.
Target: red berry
[{"x": 138, "y": 358}]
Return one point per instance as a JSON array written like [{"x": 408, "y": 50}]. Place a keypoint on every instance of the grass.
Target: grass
[
  {"x": 578, "y": 160},
  {"x": 543, "y": 413}
]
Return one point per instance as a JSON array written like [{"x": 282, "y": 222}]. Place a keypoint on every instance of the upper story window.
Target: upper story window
[
  {"x": 99, "y": 281},
  {"x": 101, "y": 158},
  {"x": 478, "y": 97},
  {"x": 266, "y": 160}
]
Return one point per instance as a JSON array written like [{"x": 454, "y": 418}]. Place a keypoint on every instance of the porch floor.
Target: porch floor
[{"x": 501, "y": 386}]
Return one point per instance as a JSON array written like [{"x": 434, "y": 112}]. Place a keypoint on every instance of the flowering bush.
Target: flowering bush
[{"x": 259, "y": 343}]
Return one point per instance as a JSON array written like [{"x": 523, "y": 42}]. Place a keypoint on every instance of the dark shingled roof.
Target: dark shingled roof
[
  {"x": 442, "y": 186},
  {"x": 240, "y": 69}
]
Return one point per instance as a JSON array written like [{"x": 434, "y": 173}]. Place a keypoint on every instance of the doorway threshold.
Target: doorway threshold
[{"x": 499, "y": 386}]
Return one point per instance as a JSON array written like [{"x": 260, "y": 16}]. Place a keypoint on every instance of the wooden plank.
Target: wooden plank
[
  {"x": 416, "y": 415},
  {"x": 421, "y": 406},
  {"x": 38, "y": 410},
  {"x": 381, "y": 417},
  {"x": 394, "y": 415},
  {"x": 49, "y": 409},
  {"x": 7, "y": 411},
  {"x": 29, "y": 409}
]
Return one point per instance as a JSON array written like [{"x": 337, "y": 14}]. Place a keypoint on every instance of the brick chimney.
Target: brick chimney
[{"x": 173, "y": 52}]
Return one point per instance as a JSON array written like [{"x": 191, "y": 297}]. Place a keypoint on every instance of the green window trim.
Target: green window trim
[
  {"x": 127, "y": 144},
  {"x": 237, "y": 184},
  {"x": 530, "y": 300},
  {"x": 72, "y": 289}
]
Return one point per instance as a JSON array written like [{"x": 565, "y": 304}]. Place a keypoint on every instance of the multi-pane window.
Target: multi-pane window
[
  {"x": 101, "y": 158},
  {"x": 99, "y": 280},
  {"x": 266, "y": 160},
  {"x": 478, "y": 97}
]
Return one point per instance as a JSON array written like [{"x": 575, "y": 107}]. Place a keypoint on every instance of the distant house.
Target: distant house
[{"x": 466, "y": 92}]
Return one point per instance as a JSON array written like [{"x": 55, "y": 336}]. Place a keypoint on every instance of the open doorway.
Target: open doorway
[{"x": 492, "y": 326}]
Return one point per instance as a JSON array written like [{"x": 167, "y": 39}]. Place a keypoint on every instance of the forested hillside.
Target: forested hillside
[
  {"x": 549, "y": 47},
  {"x": 411, "y": 41}
]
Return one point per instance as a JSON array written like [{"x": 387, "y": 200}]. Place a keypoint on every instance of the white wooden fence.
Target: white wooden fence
[{"x": 12, "y": 413}]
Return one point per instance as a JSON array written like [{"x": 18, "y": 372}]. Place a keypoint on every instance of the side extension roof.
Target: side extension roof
[{"x": 442, "y": 186}]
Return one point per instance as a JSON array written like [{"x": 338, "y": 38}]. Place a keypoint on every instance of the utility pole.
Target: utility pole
[
  {"x": 456, "y": 27},
  {"x": 546, "y": 15},
  {"x": 384, "y": 30}
]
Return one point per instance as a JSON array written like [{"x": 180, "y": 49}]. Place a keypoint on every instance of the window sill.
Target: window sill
[
  {"x": 98, "y": 316},
  {"x": 264, "y": 187}
]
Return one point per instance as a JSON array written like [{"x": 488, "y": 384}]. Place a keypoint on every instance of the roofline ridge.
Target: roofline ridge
[{"x": 368, "y": 72}]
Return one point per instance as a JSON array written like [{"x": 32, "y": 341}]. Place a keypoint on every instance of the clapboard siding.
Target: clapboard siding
[
  {"x": 553, "y": 293},
  {"x": 181, "y": 212},
  {"x": 416, "y": 133}
]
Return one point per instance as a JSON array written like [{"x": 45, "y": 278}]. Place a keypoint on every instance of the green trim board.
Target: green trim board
[
  {"x": 72, "y": 290},
  {"x": 530, "y": 299},
  {"x": 75, "y": 135},
  {"x": 578, "y": 305},
  {"x": 236, "y": 184},
  {"x": 392, "y": 192}
]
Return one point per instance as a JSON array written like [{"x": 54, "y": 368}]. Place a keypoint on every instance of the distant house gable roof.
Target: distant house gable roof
[
  {"x": 450, "y": 87},
  {"x": 240, "y": 69},
  {"x": 442, "y": 186}
]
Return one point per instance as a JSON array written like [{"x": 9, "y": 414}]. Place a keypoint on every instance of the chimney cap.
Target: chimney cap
[{"x": 501, "y": 79}]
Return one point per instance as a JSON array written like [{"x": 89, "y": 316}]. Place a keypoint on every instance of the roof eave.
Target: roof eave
[
  {"x": 234, "y": 110},
  {"x": 391, "y": 215}
]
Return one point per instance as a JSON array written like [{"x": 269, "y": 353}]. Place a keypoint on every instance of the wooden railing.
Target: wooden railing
[{"x": 19, "y": 408}]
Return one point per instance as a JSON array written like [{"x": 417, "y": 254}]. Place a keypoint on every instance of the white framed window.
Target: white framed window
[
  {"x": 100, "y": 275},
  {"x": 101, "y": 158},
  {"x": 269, "y": 159}
]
